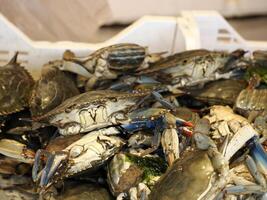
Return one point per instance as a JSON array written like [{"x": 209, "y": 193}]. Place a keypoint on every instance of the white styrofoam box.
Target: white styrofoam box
[
  {"x": 191, "y": 30},
  {"x": 125, "y": 11}
]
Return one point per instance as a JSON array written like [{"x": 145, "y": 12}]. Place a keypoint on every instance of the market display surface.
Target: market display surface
[{"x": 136, "y": 125}]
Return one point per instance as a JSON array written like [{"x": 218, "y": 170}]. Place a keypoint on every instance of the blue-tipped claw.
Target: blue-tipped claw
[
  {"x": 152, "y": 124},
  {"x": 141, "y": 125},
  {"x": 45, "y": 178},
  {"x": 37, "y": 163},
  {"x": 55, "y": 162},
  {"x": 259, "y": 155}
]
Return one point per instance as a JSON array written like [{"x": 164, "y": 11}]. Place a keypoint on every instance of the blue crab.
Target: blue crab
[
  {"x": 110, "y": 62},
  {"x": 110, "y": 112},
  {"x": 196, "y": 67},
  {"x": 15, "y": 87},
  {"x": 99, "y": 109},
  {"x": 53, "y": 87},
  {"x": 203, "y": 172}
]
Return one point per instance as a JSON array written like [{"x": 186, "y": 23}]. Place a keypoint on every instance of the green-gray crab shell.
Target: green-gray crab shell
[
  {"x": 220, "y": 92},
  {"x": 186, "y": 179},
  {"x": 15, "y": 87}
]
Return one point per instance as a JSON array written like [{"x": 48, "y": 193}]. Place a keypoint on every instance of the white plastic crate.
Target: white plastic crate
[
  {"x": 191, "y": 30},
  {"x": 125, "y": 11}
]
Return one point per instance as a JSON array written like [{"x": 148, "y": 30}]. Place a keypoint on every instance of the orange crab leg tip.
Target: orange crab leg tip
[
  {"x": 190, "y": 124},
  {"x": 185, "y": 131}
]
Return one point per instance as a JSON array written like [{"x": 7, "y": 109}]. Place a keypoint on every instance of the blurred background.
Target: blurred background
[{"x": 96, "y": 21}]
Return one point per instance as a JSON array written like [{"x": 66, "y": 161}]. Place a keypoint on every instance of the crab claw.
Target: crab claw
[
  {"x": 52, "y": 163},
  {"x": 16, "y": 150},
  {"x": 259, "y": 155},
  {"x": 170, "y": 144},
  {"x": 89, "y": 152},
  {"x": 181, "y": 122},
  {"x": 55, "y": 163},
  {"x": 69, "y": 66},
  {"x": 241, "y": 137}
]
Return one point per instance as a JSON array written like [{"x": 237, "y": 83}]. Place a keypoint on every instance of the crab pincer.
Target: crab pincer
[{"x": 16, "y": 150}]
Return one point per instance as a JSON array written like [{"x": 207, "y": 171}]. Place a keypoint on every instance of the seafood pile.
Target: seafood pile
[{"x": 126, "y": 123}]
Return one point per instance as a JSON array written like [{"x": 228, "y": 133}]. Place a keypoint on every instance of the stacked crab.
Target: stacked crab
[{"x": 130, "y": 124}]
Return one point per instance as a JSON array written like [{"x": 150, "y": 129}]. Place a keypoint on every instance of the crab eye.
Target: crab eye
[{"x": 76, "y": 151}]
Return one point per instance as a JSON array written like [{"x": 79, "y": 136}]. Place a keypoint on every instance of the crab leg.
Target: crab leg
[
  {"x": 242, "y": 136},
  {"x": 169, "y": 137},
  {"x": 44, "y": 178},
  {"x": 259, "y": 155},
  {"x": 130, "y": 80},
  {"x": 155, "y": 141},
  {"x": 255, "y": 172},
  {"x": 16, "y": 150},
  {"x": 53, "y": 162},
  {"x": 170, "y": 145},
  {"x": 74, "y": 68},
  {"x": 244, "y": 189},
  {"x": 151, "y": 124},
  {"x": 200, "y": 136},
  {"x": 37, "y": 163},
  {"x": 163, "y": 101},
  {"x": 239, "y": 180}
]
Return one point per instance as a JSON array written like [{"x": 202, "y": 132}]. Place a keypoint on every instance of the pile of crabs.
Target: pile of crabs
[{"x": 128, "y": 124}]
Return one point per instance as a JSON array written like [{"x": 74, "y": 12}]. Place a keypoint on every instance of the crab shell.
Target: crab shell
[
  {"x": 224, "y": 122},
  {"x": 92, "y": 150},
  {"x": 87, "y": 153},
  {"x": 220, "y": 92},
  {"x": 251, "y": 100},
  {"x": 188, "y": 178},
  {"x": 15, "y": 87},
  {"x": 224, "y": 113},
  {"x": 118, "y": 57},
  {"x": 190, "y": 68},
  {"x": 53, "y": 87},
  {"x": 91, "y": 110}
]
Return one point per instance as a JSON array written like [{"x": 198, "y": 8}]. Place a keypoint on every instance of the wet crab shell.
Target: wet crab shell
[
  {"x": 91, "y": 97},
  {"x": 15, "y": 86},
  {"x": 51, "y": 90},
  {"x": 220, "y": 92},
  {"x": 190, "y": 68},
  {"x": 251, "y": 100},
  {"x": 188, "y": 58},
  {"x": 188, "y": 178},
  {"x": 90, "y": 110}
]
